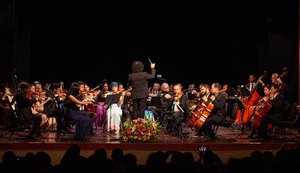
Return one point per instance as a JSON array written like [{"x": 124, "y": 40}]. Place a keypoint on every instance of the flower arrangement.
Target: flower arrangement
[{"x": 139, "y": 131}]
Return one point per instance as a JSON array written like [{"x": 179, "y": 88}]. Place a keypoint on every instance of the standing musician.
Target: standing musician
[{"x": 218, "y": 99}]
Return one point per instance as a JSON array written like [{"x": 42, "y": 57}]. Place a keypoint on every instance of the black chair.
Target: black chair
[
  {"x": 284, "y": 127},
  {"x": 19, "y": 123},
  {"x": 171, "y": 127}
]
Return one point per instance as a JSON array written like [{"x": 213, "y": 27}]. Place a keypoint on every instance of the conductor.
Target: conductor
[{"x": 138, "y": 81}]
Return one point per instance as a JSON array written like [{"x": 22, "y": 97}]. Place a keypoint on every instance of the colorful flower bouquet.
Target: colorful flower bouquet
[{"x": 139, "y": 131}]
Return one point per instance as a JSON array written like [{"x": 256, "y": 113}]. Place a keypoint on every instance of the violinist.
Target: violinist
[
  {"x": 192, "y": 95},
  {"x": 25, "y": 103},
  {"x": 217, "y": 115},
  {"x": 57, "y": 107},
  {"x": 165, "y": 97},
  {"x": 83, "y": 96},
  {"x": 84, "y": 123},
  {"x": 38, "y": 106},
  {"x": 101, "y": 108},
  {"x": 154, "y": 92},
  {"x": 178, "y": 109},
  {"x": 114, "y": 102}
]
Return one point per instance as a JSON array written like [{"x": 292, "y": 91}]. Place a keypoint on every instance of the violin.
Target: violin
[{"x": 117, "y": 92}]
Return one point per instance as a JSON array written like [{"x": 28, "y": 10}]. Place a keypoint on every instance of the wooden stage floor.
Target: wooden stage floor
[{"x": 231, "y": 142}]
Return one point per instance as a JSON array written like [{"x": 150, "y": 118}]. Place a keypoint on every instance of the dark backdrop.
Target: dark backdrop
[{"x": 190, "y": 41}]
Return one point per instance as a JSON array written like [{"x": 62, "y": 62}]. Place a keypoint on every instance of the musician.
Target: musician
[
  {"x": 191, "y": 92},
  {"x": 84, "y": 124},
  {"x": 178, "y": 108},
  {"x": 202, "y": 95},
  {"x": 165, "y": 96},
  {"x": 267, "y": 92},
  {"x": 218, "y": 99},
  {"x": 155, "y": 90},
  {"x": 275, "y": 114},
  {"x": 5, "y": 110},
  {"x": 57, "y": 107},
  {"x": 25, "y": 104},
  {"x": 83, "y": 96},
  {"x": 101, "y": 108},
  {"x": 284, "y": 88},
  {"x": 114, "y": 102},
  {"x": 127, "y": 102},
  {"x": 138, "y": 81}
]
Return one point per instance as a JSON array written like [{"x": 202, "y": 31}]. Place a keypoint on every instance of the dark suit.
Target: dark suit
[
  {"x": 178, "y": 116},
  {"x": 275, "y": 114},
  {"x": 257, "y": 86},
  {"x": 139, "y": 93},
  {"x": 24, "y": 106},
  {"x": 217, "y": 115}
]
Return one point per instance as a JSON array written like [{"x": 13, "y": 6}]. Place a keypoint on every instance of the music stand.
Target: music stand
[
  {"x": 244, "y": 91},
  {"x": 231, "y": 92},
  {"x": 155, "y": 101}
]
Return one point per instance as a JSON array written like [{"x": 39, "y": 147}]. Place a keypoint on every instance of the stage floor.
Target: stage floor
[{"x": 230, "y": 142}]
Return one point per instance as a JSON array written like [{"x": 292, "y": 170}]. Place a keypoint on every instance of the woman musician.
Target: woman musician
[
  {"x": 114, "y": 101},
  {"x": 255, "y": 119}
]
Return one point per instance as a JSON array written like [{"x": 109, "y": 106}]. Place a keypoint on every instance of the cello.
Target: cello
[
  {"x": 200, "y": 114},
  {"x": 243, "y": 115},
  {"x": 202, "y": 111},
  {"x": 260, "y": 110}
]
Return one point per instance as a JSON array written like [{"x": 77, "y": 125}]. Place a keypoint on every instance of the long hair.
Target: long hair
[
  {"x": 137, "y": 66},
  {"x": 74, "y": 89}
]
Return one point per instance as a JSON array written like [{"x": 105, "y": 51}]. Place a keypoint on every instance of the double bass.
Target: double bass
[{"x": 242, "y": 115}]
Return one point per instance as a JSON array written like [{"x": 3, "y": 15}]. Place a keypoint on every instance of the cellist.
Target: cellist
[
  {"x": 275, "y": 114},
  {"x": 253, "y": 117}
]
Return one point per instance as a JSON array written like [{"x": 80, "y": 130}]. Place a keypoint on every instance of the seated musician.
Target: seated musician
[
  {"x": 57, "y": 107},
  {"x": 84, "y": 124},
  {"x": 192, "y": 94},
  {"x": 179, "y": 108},
  {"x": 203, "y": 95},
  {"x": 25, "y": 103},
  {"x": 256, "y": 107},
  {"x": 218, "y": 99},
  {"x": 83, "y": 96},
  {"x": 127, "y": 105},
  {"x": 165, "y": 96},
  {"x": 114, "y": 101},
  {"x": 155, "y": 90},
  {"x": 275, "y": 114},
  {"x": 101, "y": 108}
]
